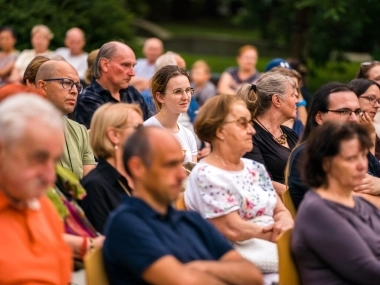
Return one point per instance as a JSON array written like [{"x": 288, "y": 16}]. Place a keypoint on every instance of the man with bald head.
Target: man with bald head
[
  {"x": 149, "y": 242},
  {"x": 73, "y": 53},
  {"x": 145, "y": 67},
  {"x": 113, "y": 71},
  {"x": 59, "y": 81}
]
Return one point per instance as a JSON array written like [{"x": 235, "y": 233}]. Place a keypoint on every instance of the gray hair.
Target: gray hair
[
  {"x": 260, "y": 100},
  {"x": 107, "y": 51},
  {"x": 17, "y": 110},
  {"x": 168, "y": 58}
]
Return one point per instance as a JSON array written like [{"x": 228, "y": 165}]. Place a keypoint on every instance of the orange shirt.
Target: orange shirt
[{"x": 32, "y": 250}]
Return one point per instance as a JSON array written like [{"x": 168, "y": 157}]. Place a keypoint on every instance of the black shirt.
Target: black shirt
[
  {"x": 297, "y": 188},
  {"x": 95, "y": 95},
  {"x": 104, "y": 193},
  {"x": 270, "y": 153}
]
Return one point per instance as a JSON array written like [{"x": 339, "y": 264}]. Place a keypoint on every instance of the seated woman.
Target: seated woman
[
  {"x": 233, "y": 78},
  {"x": 40, "y": 39},
  {"x": 8, "y": 53},
  {"x": 337, "y": 235},
  {"x": 172, "y": 94},
  {"x": 368, "y": 92},
  {"x": 111, "y": 125},
  {"x": 233, "y": 193},
  {"x": 271, "y": 102}
]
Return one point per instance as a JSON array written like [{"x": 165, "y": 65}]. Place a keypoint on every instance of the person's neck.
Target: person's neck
[
  {"x": 117, "y": 163},
  {"x": 76, "y": 53},
  {"x": 246, "y": 72},
  {"x": 271, "y": 120},
  {"x": 17, "y": 203},
  {"x": 141, "y": 193},
  {"x": 168, "y": 120},
  {"x": 115, "y": 91},
  {"x": 200, "y": 85},
  {"x": 39, "y": 51},
  {"x": 7, "y": 51},
  {"x": 224, "y": 157},
  {"x": 337, "y": 193}
]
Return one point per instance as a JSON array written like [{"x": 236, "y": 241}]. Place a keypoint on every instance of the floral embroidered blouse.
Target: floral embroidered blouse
[{"x": 214, "y": 192}]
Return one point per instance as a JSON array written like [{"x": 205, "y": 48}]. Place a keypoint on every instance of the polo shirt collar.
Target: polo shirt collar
[
  {"x": 142, "y": 208},
  {"x": 98, "y": 89}
]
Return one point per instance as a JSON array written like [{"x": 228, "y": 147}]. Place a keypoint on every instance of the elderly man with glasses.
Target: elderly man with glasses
[{"x": 59, "y": 81}]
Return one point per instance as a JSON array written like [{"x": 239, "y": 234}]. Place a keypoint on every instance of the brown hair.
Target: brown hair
[
  {"x": 244, "y": 48},
  {"x": 201, "y": 64},
  {"x": 364, "y": 69},
  {"x": 90, "y": 62},
  {"x": 258, "y": 97},
  {"x": 108, "y": 115},
  {"x": 32, "y": 69},
  {"x": 212, "y": 115},
  {"x": 161, "y": 78}
]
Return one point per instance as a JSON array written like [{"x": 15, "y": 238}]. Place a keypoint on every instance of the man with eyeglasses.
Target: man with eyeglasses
[
  {"x": 113, "y": 71},
  {"x": 59, "y": 81},
  {"x": 332, "y": 102}
]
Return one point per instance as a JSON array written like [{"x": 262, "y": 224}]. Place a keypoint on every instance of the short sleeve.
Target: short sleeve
[
  {"x": 210, "y": 193},
  {"x": 193, "y": 144},
  {"x": 131, "y": 244},
  {"x": 87, "y": 154}
]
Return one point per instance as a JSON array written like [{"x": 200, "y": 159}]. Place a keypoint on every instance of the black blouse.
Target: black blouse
[
  {"x": 104, "y": 193},
  {"x": 270, "y": 153}
]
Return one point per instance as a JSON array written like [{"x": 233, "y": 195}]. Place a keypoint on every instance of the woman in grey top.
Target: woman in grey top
[{"x": 336, "y": 239}]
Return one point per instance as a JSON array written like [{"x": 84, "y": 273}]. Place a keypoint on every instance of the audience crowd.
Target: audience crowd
[{"x": 176, "y": 180}]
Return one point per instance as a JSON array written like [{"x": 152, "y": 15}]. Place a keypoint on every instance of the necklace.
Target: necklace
[{"x": 281, "y": 139}]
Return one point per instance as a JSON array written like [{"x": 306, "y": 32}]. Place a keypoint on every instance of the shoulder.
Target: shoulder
[
  {"x": 133, "y": 91},
  {"x": 79, "y": 128},
  {"x": 61, "y": 51},
  {"x": 232, "y": 70},
  {"x": 152, "y": 121}
]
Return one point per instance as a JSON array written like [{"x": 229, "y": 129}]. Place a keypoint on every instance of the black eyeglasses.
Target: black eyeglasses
[
  {"x": 372, "y": 100},
  {"x": 346, "y": 112},
  {"x": 242, "y": 122},
  {"x": 67, "y": 83},
  {"x": 179, "y": 92}
]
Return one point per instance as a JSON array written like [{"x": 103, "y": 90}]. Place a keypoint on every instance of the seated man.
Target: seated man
[
  {"x": 148, "y": 242},
  {"x": 113, "y": 71},
  {"x": 31, "y": 245},
  {"x": 59, "y": 81},
  {"x": 73, "y": 53}
]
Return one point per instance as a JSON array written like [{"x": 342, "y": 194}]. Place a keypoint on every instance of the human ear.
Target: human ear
[
  {"x": 113, "y": 135},
  {"x": 318, "y": 118}
]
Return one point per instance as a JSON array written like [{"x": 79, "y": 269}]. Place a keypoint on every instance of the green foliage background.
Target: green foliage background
[{"x": 101, "y": 20}]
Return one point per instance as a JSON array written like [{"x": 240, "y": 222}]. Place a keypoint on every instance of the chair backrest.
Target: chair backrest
[
  {"x": 95, "y": 271},
  {"x": 179, "y": 203},
  {"x": 287, "y": 269},
  {"x": 288, "y": 202}
]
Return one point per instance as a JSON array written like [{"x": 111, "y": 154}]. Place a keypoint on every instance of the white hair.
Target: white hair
[
  {"x": 168, "y": 58},
  {"x": 17, "y": 110}
]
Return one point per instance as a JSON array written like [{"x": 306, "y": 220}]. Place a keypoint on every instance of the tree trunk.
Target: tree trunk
[{"x": 300, "y": 30}]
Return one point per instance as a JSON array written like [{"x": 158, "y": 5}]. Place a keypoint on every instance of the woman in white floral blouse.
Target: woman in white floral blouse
[{"x": 233, "y": 193}]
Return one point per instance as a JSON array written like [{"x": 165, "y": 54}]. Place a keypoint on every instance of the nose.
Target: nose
[
  {"x": 251, "y": 130},
  {"x": 49, "y": 174},
  {"x": 353, "y": 117},
  {"x": 132, "y": 71}
]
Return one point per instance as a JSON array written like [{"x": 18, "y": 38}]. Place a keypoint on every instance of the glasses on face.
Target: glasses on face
[
  {"x": 67, "y": 83},
  {"x": 346, "y": 112},
  {"x": 179, "y": 92},
  {"x": 371, "y": 99},
  {"x": 242, "y": 122}
]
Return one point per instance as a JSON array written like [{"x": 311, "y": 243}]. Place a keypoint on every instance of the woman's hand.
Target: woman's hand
[
  {"x": 368, "y": 185},
  {"x": 365, "y": 118},
  {"x": 277, "y": 228}
]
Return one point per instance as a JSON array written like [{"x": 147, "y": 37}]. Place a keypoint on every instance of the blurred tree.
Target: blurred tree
[{"x": 101, "y": 21}]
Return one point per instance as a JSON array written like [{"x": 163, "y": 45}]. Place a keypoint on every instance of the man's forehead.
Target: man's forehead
[{"x": 344, "y": 99}]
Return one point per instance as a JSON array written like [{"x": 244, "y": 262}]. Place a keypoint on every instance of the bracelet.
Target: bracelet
[
  {"x": 83, "y": 249},
  {"x": 301, "y": 103},
  {"x": 92, "y": 244}
]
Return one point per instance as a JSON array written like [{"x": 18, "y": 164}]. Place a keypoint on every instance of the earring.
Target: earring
[{"x": 116, "y": 147}]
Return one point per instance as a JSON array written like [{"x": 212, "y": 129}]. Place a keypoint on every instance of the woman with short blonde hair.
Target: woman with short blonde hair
[{"x": 111, "y": 125}]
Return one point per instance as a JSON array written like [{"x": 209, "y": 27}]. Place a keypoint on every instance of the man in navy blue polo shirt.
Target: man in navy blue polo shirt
[{"x": 149, "y": 242}]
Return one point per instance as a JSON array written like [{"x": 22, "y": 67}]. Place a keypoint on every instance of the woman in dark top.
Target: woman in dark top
[
  {"x": 368, "y": 92},
  {"x": 111, "y": 125},
  {"x": 272, "y": 101},
  {"x": 337, "y": 235}
]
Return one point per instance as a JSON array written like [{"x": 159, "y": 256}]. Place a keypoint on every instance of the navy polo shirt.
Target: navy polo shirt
[{"x": 137, "y": 236}]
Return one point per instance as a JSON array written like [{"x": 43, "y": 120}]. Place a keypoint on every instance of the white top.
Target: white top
[
  {"x": 143, "y": 69},
  {"x": 26, "y": 56},
  {"x": 214, "y": 192},
  {"x": 184, "y": 136},
  {"x": 79, "y": 62}
]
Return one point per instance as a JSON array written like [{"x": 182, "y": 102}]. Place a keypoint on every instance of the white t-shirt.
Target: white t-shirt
[
  {"x": 144, "y": 69},
  {"x": 26, "y": 56},
  {"x": 184, "y": 136},
  {"x": 214, "y": 192},
  {"x": 79, "y": 62}
]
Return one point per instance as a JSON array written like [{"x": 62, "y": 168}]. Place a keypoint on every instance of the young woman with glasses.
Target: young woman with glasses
[{"x": 172, "y": 94}]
